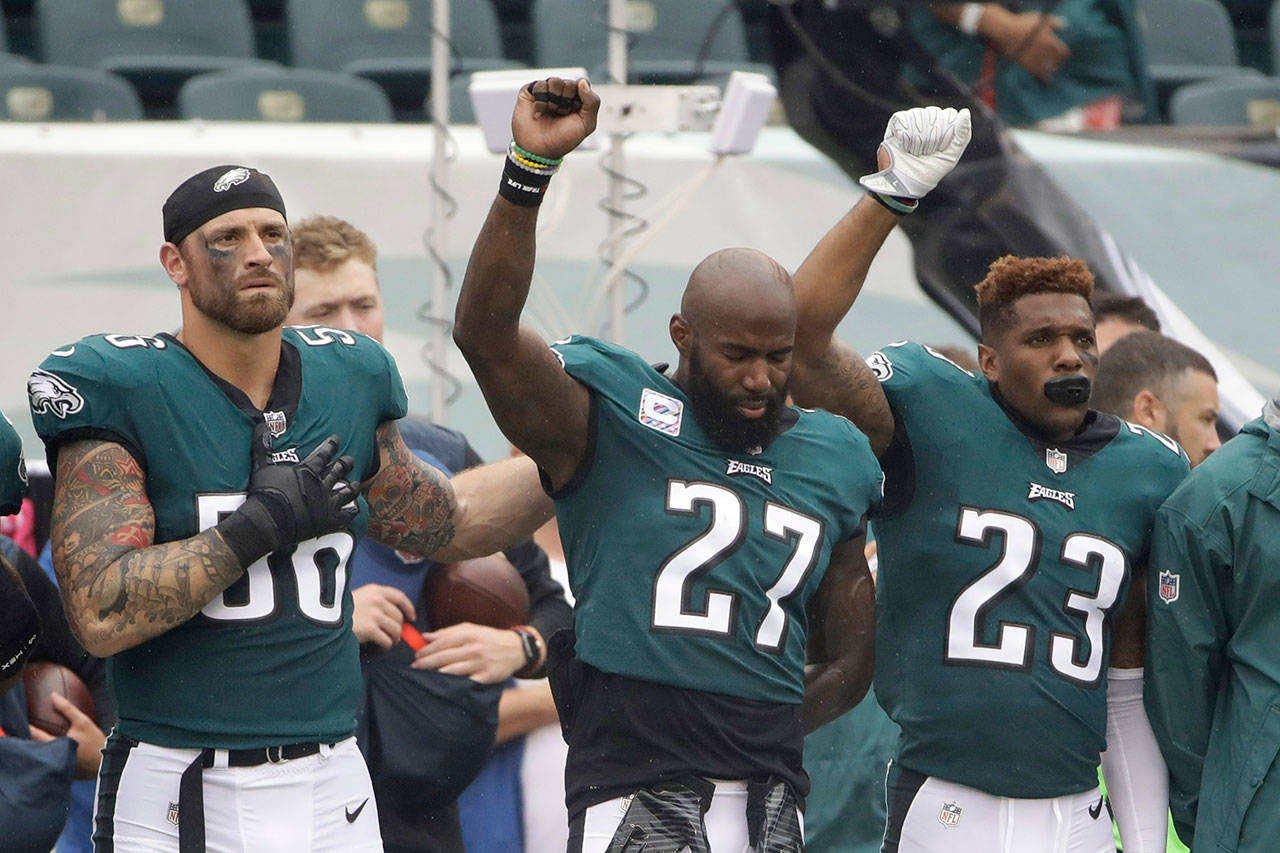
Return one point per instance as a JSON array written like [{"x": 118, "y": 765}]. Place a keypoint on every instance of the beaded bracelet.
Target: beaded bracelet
[
  {"x": 530, "y": 166},
  {"x": 529, "y": 155}
]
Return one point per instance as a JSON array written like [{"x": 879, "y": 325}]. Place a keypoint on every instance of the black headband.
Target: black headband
[{"x": 214, "y": 192}]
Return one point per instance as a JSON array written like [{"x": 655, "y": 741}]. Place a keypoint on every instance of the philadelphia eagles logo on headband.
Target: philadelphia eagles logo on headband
[
  {"x": 213, "y": 192},
  {"x": 230, "y": 179}
]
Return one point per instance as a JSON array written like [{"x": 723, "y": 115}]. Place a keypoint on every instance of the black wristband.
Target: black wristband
[
  {"x": 246, "y": 533},
  {"x": 521, "y": 186}
]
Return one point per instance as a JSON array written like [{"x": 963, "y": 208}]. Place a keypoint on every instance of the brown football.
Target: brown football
[
  {"x": 43, "y": 679},
  {"x": 484, "y": 590}
]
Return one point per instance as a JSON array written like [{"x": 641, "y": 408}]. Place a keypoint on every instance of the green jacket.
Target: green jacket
[{"x": 1213, "y": 654}]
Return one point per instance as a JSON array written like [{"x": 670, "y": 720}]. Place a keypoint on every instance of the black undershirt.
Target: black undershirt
[{"x": 625, "y": 734}]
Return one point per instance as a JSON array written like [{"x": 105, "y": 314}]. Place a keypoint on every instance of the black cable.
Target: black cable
[
  {"x": 713, "y": 30},
  {"x": 454, "y": 53}
]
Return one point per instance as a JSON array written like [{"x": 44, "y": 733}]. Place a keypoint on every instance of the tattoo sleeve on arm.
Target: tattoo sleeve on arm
[
  {"x": 118, "y": 588},
  {"x": 411, "y": 503}
]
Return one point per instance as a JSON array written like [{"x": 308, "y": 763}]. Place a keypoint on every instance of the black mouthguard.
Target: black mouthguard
[{"x": 1068, "y": 390}]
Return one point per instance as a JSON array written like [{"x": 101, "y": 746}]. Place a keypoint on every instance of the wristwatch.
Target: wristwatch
[{"x": 532, "y": 647}]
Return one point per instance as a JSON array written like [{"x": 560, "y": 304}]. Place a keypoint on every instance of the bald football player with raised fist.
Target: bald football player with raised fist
[{"x": 713, "y": 533}]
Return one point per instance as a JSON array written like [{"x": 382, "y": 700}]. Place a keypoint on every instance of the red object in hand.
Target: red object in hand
[{"x": 412, "y": 637}]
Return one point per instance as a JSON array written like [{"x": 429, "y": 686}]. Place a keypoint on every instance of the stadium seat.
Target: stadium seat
[
  {"x": 283, "y": 94},
  {"x": 34, "y": 92},
  {"x": 389, "y": 41},
  {"x": 1242, "y": 101},
  {"x": 671, "y": 41},
  {"x": 1187, "y": 40},
  {"x": 157, "y": 44},
  {"x": 270, "y": 40}
]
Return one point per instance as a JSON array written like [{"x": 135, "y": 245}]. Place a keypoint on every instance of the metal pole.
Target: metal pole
[
  {"x": 617, "y": 163},
  {"x": 438, "y": 337}
]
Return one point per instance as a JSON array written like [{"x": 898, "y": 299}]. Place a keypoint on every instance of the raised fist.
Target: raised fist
[
  {"x": 922, "y": 145},
  {"x": 553, "y": 116}
]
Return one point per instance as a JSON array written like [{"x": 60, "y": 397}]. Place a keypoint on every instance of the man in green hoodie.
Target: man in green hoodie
[{"x": 1213, "y": 670}]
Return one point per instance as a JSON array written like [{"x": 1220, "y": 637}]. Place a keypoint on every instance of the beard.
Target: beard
[
  {"x": 250, "y": 314},
  {"x": 717, "y": 414}
]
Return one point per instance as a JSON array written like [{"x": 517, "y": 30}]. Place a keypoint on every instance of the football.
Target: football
[
  {"x": 43, "y": 679},
  {"x": 484, "y": 590}
]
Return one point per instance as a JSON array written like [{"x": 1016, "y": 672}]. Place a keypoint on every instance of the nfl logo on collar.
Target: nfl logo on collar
[
  {"x": 1055, "y": 459},
  {"x": 276, "y": 423}
]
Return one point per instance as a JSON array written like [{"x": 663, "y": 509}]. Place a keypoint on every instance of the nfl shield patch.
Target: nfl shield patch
[
  {"x": 949, "y": 815},
  {"x": 1169, "y": 587},
  {"x": 1055, "y": 459},
  {"x": 276, "y": 423},
  {"x": 660, "y": 412},
  {"x": 172, "y": 816}
]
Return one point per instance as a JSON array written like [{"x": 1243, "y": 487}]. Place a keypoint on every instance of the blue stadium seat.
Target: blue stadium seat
[
  {"x": 32, "y": 92},
  {"x": 157, "y": 44},
  {"x": 671, "y": 41},
  {"x": 1240, "y": 101},
  {"x": 389, "y": 41},
  {"x": 283, "y": 94},
  {"x": 1187, "y": 40}
]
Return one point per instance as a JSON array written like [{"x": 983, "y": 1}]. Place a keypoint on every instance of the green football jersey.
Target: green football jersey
[
  {"x": 691, "y": 563},
  {"x": 13, "y": 469},
  {"x": 1003, "y": 564},
  {"x": 272, "y": 659}
]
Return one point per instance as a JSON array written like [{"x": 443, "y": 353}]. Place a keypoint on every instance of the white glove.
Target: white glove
[{"x": 923, "y": 145}]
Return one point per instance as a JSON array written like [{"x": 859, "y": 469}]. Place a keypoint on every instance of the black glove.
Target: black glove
[{"x": 290, "y": 502}]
